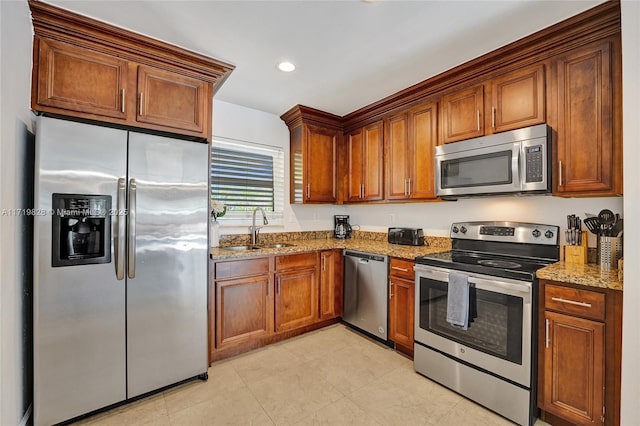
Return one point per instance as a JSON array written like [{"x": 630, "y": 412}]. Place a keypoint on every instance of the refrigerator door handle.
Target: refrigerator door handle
[
  {"x": 131, "y": 238},
  {"x": 120, "y": 230}
]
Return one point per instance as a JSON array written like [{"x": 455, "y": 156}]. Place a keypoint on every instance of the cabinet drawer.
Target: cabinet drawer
[
  {"x": 401, "y": 268},
  {"x": 296, "y": 261},
  {"x": 573, "y": 301},
  {"x": 241, "y": 268}
]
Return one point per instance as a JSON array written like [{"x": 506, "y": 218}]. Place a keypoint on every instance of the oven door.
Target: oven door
[
  {"x": 498, "y": 340},
  {"x": 492, "y": 169}
]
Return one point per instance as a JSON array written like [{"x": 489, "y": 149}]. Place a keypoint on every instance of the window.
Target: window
[{"x": 245, "y": 176}]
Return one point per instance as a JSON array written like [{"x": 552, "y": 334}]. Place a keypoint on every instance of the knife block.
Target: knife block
[{"x": 577, "y": 254}]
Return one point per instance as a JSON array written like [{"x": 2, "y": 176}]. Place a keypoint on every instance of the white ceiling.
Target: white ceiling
[{"x": 348, "y": 53}]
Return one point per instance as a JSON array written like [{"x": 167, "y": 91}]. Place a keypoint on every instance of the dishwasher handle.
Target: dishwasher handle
[{"x": 366, "y": 257}]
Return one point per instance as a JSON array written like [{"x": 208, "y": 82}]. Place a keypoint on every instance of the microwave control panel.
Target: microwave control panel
[{"x": 533, "y": 163}]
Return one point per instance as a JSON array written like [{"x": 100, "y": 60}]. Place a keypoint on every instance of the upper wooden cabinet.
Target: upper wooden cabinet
[
  {"x": 315, "y": 136},
  {"x": 517, "y": 99},
  {"x": 172, "y": 100},
  {"x": 365, "y": 147},
  {"x": 586, "y": 83},
  {"x": 410, "y": 140},
  {"x": 506, "y": 102},
  {"x": 463, "y": 114},
  {"x": 77, "y": 79},
  {"x": 88, "y": 69}
]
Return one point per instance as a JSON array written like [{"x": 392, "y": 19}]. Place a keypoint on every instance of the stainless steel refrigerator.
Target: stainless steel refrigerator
[{"x": 120, "y": 268}]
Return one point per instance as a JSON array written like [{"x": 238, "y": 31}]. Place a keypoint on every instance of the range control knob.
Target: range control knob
[
  {"x": 454, "y": 229},
  {"x": 548, "y": 234},
  {"x": 463, "y": 229},
  {"x": 536, "y": 233}
]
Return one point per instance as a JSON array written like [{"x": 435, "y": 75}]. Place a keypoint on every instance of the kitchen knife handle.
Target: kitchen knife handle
[
  {"x": 120, "y": 229},
  {"x": 131, "y": 238}
]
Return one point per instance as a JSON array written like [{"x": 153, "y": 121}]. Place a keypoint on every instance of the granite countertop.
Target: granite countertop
[
  {"x": 365, "y": 245},
  {"x": 588, "y": 274}
]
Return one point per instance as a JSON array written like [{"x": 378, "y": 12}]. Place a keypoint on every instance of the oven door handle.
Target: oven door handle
[
  {"x": 496, "y": 285},
  {"x": 500, "y": 286}
]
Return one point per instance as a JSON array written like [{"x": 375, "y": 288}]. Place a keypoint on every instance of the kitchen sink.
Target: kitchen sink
[
  {"x": 241, "y": 248},
  {"x": 257, "y": 247},
  {"x": 277, "y": 245}
]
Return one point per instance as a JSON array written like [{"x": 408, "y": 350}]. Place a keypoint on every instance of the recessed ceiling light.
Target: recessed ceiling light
[{"x": 286, "y": 66}]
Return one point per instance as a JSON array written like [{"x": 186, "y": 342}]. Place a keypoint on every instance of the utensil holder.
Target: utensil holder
[
  {"x": 577, "y": 254},
  {"x": 609, "y": 251}
]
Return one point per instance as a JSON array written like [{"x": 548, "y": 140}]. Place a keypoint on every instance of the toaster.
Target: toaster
[{"x": 406, "y": 236}]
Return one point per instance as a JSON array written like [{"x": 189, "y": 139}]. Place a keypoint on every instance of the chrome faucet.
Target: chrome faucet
[{"x": 256, "y": 229}]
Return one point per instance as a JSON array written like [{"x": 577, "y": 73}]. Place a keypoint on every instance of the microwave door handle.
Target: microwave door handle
[{"x": 515, "y": 165}]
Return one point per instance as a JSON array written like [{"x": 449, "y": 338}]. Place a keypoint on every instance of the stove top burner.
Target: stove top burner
[
  {"x": 499, "y": 263},
  {"x": 486, "y": 264}
]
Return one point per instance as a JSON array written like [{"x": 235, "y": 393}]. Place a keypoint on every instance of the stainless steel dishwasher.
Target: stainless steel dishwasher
[{"x": 366, "y": 292}]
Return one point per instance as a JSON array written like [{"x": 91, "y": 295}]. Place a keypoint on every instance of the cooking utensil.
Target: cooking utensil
[
  {"x": 592, "y": 224},
  {"x": 617, "y": 228},
  {"x": 606, "y": 219}
]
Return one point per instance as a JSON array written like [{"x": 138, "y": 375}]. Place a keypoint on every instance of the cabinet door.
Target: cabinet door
[
  {"x": 423, "y": 140},
  {"x": 573, "y": 369},
  {"x": 296, "y": 299},
  {"x": 319, "y": 156},
  {"x": 518, "y": 99},
  {"x": 355, "y": 153},
  {"x": 372, "y": 183},
  {"x": 171, "y": 100},
  {"x": 401, "y": 311},
  {"x": 397, "y": 157},
  {"x": 463, "y": 114},
  {"x": 244, "y": 309},
  {"x": 330, "y": 284},
  {"x": 589, "y": 162},
  {"x": 79, "y": 80}
]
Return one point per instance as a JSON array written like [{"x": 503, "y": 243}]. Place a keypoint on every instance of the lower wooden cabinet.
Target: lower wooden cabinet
[
  {"x": 331, "y": 276},
  {"x": 296, "y": 298},
  {"x": 580, "y": 337},
  {"x": 257, "y": 301},
  {"x": 401, "y": 304}
]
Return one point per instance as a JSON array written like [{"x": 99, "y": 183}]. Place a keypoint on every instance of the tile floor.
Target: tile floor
[{"x": 332, "y": 376}]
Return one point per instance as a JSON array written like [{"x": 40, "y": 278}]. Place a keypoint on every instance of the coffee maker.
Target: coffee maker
[{"x": 341, "y": 228}]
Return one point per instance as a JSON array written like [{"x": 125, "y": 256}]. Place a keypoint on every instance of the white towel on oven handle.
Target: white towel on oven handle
[{"x": 458, "y": 300}]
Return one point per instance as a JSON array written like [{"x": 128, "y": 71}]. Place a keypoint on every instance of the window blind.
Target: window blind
[{"x": 245, "y": 176}]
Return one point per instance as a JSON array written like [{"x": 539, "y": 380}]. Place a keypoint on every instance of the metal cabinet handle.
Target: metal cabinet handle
[
  {"x": 571, "y": 302},
  {"x": 278, "y": 285},
  {"x": 132, "y": 229},
  {"x": 560, "y": 173},
  {"x": 546, "y": 332},
  {"x": 478, "y": 115},
  {"x": 141, "y": 97},
  {"x": 122, "y": 99},
  {"x": 397, "y": 268},
  {"x": 324, "y": 263},
  {"x": 390, "y": 290},
  {"x": 308, "y": 191},
  {"x": 120, "y": 233},
  {"x": 362, "y": 190},
  {"x": 409, "y": 187},
  {"x": 493, "y": 117}
]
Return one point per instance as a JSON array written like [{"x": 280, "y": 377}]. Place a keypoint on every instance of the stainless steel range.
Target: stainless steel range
[{"x": 488, "y": 356}]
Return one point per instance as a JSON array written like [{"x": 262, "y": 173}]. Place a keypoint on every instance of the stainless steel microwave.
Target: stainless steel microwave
[{"x": 514, "y": 162}]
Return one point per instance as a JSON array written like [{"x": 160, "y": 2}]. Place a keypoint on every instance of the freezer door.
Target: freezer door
[
  {"x": 79, "y": 311},
  {"x": 167, "y": 262}
]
